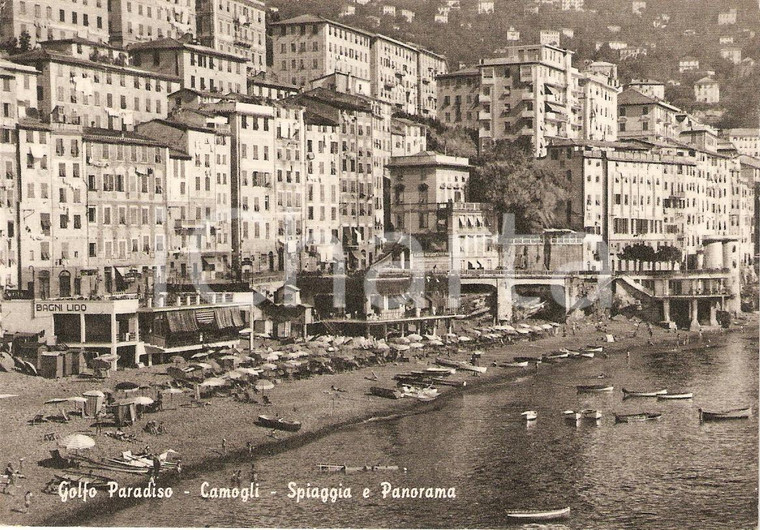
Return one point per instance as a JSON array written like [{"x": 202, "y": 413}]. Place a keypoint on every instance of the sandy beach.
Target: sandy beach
[{"x": 196, "y": 433}]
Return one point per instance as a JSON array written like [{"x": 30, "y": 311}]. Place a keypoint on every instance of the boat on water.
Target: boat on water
[
  {"x": 390, "y": 393},
  {"x": 677, "y": 395},
  {"x": 529, "y": 415},
  {"x": 641, "y": 416},
  {"x": 594, "y": 388},
  {"x": 538, "y": 515},
  {"x": 523, "y": 364},
  {"x": 732, "y": 414},
  {"x": 571, "y": 415},
  {"x": 591, "y": 414},
  {"x": 642, "y": 394},
  {"x": 278, "y": 423}
]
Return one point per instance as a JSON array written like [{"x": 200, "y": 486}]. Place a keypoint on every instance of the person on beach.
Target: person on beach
[
  {"x": 649, "y": 328},
  {"x": 27, "y": 501},
  {"x": 249, "y": 446},
  {"x": 179, "y": 467},
  {"x": 156, "y": 466},
  {"x": 701, "y": 338},
  {"x": 224, "y": 446}
]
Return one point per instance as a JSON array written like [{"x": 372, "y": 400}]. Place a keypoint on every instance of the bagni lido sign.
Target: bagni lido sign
[{"x": 60, "y": 307}]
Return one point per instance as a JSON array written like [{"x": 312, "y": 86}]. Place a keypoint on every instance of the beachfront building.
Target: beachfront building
[
  {"x": 91, "y": 84},
  {"x": 198, "y": 67},
  {"x": 430, "y": 65},
  {"x": 642, "y": 116},
  {"x": 53, "y": 19},
  {"x": 234, "y": 26},
  {"x": 459, "y": 98},
  {"x": 131, "y": 21},
  {"x": 707, "y": 90},
  {"x": 198, "y": 195},
  {"x": 428, "y": 202},
  {"x": 598, "y": 87}
]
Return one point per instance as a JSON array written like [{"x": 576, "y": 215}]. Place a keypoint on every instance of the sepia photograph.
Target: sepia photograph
[{"x": 380, "y": 264}]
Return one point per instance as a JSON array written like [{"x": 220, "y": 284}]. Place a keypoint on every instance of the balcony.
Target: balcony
[
  {"x": 527, "y": 114},
  {"x": 485, "y": 98},
  {"x": 484, "y": 115}
]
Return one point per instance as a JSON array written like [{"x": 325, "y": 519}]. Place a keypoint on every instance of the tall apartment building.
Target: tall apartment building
[
  {"x": 531, "y": 92},
  {"x": 642, "y": 116},
  {"x": 234, "y": 26},
  {"x": 289, "y": 181},
  {"x": 458, "y": 102},
  {"x": 198, "y": 67},
  {"x": 86, "y": 83},
  {"x": 430, "y": 66},
  {"x": 363, "y": 151},
  {"x": 395, "y": 77},
  {"x": 322, "y": 200},
  {"x": 746, "y": 140},
  {"x": 54, "y": 19},
  {"x": 598, "y": 91},
  {"x": 131, "y": 21},
  {"x": 407, "y": 137},
  {"x": 307, "y": 47},
  {"x": 198, "y": 194}
]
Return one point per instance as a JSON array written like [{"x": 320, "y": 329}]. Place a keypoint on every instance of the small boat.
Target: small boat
[
  {"x": 571, "y": 415},
  {"x": 529, "y": 415},
  {"x": 331, "y": 467},
  {"x": 423, "y": 394},
  {"x": 527, "y": 359},
  {"x": 439, "y": 370},
  {"x": 732, "y": 414},
  {"x": 587, "y": 354},
  {"x": 538, "y": 515},
  {"x": 95, "y": 481},
  {"x": 523, "y": 364},
  {"x": 461, "y": 365},
  {"x": 278, "y": 423},
  {"x": 390, "y": 393},
  {"x": 681, "y": 395},
  {"x": 594, "y": 388},
  {"x": 642, "y": 394},
  {"x": 448, "y": 382},
  {"x": 642, "y": 416},
  {"x": 591, "y": 414},
  {"x": 595, "y": 349},
  {"x": 556, "y": 355}
]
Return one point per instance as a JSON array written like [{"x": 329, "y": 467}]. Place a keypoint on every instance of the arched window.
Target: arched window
[
  {"x": 423, "y": 190},
  {"x": 64, "y": 284}
]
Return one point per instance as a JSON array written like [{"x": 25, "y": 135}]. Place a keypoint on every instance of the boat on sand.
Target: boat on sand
[
  {"x": 594, "y": 388},
  {"x": 278, "y": 423},
  {"x": 538, "y": 515}
]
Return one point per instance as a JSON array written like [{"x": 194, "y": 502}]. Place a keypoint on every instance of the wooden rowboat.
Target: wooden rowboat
[
  {"x": 587, "y": 354},
  {"x": 390, "y": 393},
  {"x": 571, "y": 415},
  {"x": 278, "y": 423},
  {"x": 636, "y": 393},
  {"x": 732, "y": 414},
  {"x": 523, "y": 364},
  {"x": 642, "y": 416},
  {"x": 595, "y": 349},
  {"x": 594, "y": 388},
  {"x": 538, "y": 515},
  {"x": 682, "y": 395}
]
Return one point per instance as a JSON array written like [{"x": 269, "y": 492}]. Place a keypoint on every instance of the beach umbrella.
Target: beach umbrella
[
  {"x": 93, "y": 393},
  {"x": 127, "y": 386},
  {"x": 143, "y": 400},
  {"x": 233, "y": 374},
  {"x": 416, "y": 345},
  {"x": 172, "y": 390},
  {"x": 199, "y": 355},
  {"x": 213, "y": 382},
  {"x": 248, "y": 371},
  {"x": 414, "y": 337},
  {"x": 201, "y": 366},
  {"x": 435, "y": 343},
  {"x": 271, "y": 357},
  {"x": 177, "y": 359},
  {"x": 109, "y": 357},
  {"x": 547, "y": 326},
  {"x": 245, "y": 331},
  {"x": 268, "y": 366},
  {"x": 56, "y": 400},
  {"x": 76, "y": 442},
  {"x": 400, "y": 347},
  {"x": 77, "y": 399},
  {"x": 465, "y": 338},
  {"x": 263, "y": 385}
]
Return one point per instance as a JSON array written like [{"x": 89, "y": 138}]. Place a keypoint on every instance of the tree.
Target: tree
[
  {"x": 669, "y": 254},
  {"x": 510, "y": 179},
  {"x": 25, "y": 41},
  {"x": 638, "y": 253}
]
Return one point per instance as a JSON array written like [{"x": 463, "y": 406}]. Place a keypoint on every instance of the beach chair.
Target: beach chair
[{"x": 38, "y": 418}]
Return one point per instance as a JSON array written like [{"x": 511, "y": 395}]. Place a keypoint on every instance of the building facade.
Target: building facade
[
  {"x": 234, "y": 26},
  {"x": 132, "y": 21},
  {"x": 54, "y": 19}
]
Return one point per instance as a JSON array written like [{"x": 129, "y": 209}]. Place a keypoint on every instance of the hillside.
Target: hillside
[{"x": 684, "y": 28}]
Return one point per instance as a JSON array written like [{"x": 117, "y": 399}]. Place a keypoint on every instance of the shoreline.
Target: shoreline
[{"x": 49, "y": 510}]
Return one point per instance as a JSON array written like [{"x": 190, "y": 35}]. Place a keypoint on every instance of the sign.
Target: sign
[{"x": 60, "y": 307}]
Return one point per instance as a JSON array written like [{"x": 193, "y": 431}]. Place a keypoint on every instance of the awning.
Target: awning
[
  {"x": 181, "y": 321},
  {"x": 355, "y": 255},
  {"x": 555, "y": 107},
  {"x": 118, "y": 274},
  {"x": 228, "y": 317}
]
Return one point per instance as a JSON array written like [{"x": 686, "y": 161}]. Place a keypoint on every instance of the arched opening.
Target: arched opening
[{"x": 64, "y": 284}]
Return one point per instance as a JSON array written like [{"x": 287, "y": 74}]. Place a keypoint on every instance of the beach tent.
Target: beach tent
[
  {"x": 125, "y": 412},
  {"x": 95, "y": 401}
]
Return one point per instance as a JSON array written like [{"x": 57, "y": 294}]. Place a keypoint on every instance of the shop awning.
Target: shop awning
[
  {"x": 181, "y": 321},
  {"x": 228, "y": 317}
]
